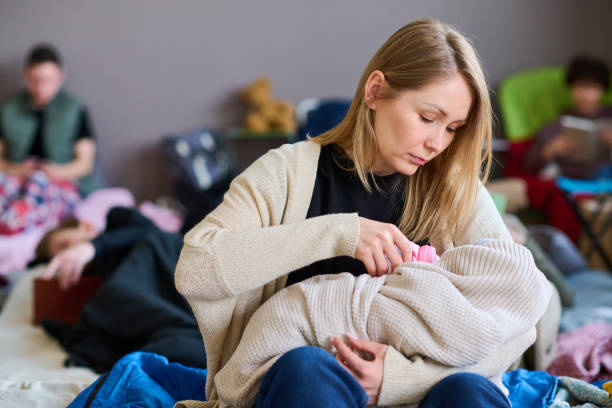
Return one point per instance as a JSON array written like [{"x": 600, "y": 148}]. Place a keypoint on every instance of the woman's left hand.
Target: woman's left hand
[{"x": 368, "y": 373}]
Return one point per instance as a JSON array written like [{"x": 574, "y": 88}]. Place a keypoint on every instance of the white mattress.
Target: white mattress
[{"x": 31, "y": 362}]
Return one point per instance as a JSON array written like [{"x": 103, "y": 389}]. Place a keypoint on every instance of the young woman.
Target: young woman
[{"x": 404, "y": 165}]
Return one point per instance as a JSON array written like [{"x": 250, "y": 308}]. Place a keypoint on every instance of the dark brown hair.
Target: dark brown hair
[
  {"x": 42, "y": 53},
  {"x": 588, "y": 69},
  {"x": 43, "y": 247}
]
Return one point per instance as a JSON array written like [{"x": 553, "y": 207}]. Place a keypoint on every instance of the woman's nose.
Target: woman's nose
[{"x": 435, "y": 140}]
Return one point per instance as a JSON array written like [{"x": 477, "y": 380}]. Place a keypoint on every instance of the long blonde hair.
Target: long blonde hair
[{"x": 439, "y": 197}]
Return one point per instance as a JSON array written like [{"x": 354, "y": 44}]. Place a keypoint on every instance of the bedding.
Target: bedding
[
  {"x": 592, "y": 300},
  {"x": 144, "y": 380},
  {"x": 538, "y": 389},
  {"x": 585, "y": 354},
  {"x": 584, "y": 346},
  {"x": 572, "y": 392},
  {"x": 31, "y": 363},
  {"x": 149, "y": 380}
]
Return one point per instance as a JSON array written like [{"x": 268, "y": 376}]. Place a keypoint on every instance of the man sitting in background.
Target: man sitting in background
[
  {"x": 47, "y": 147},
  {"x": 46, "y": 124}
]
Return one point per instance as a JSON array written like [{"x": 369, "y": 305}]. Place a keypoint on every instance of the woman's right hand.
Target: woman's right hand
[{"x": 377, "y": 239}]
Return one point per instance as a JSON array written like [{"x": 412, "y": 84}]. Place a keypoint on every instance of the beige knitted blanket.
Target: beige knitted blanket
[{"x": 456, "y": 312}]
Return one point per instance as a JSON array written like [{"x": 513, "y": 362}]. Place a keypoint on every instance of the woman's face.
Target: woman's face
[{"x": 415, "y": 126}]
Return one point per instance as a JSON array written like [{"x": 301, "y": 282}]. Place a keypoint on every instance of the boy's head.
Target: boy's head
[
  {"x": 69, "y": 233},
  {"x": 43, "y": 74},
  {"x": 588, "y": 78}
]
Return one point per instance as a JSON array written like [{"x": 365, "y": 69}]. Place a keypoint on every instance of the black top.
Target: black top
[
  {"x": 337, "y": 190},
  {"x": 84, "y": 131}
]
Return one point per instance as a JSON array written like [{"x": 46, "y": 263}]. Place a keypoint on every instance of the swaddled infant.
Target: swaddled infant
[{"x": 456, "y": 311}]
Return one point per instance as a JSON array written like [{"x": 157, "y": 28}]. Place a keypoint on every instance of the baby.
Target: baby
[{"x": 456, "y": 312}]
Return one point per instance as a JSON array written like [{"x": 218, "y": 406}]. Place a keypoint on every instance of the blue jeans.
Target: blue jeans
[
  {"x": 465, "y": 390},
  {"x": 311, "y": 377}
]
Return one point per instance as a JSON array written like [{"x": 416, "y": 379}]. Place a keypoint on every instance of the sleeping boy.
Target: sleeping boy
[
  {"x": 75, "y": 246},
  {"x": 137, "y": 307}
]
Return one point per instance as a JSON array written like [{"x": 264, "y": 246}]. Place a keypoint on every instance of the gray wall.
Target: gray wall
[{"x": 149, "y": 67}]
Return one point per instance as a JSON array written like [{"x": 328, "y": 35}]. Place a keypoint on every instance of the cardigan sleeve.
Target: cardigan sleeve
[{"x": 246, "y": 241}]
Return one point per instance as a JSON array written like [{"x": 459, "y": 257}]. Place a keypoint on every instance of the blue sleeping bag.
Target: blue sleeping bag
[{"x": 143, "y": 380}]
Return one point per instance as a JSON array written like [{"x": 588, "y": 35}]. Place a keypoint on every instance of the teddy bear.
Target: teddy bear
[{"x": 265, "y": 113}]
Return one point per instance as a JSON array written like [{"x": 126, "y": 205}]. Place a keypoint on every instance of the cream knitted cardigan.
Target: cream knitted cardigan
[
  {"x": 457, "y": 312},
  {"x": 239, "y": 255}
]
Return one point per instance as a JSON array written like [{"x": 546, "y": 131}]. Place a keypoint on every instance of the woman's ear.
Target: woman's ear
[{"x": 373, "y": 88}]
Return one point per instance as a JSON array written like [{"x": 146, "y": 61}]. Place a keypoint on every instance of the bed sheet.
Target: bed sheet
[
  {"x": 592, "y": 300},
  {"x": 31, "y": 362}
]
